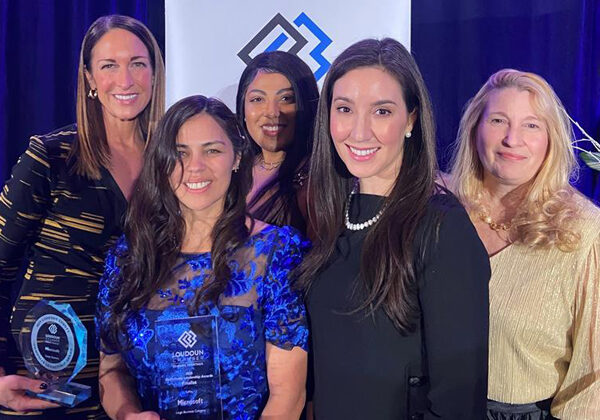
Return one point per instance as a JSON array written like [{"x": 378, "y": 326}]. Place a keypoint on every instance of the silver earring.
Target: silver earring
[
  {"x": 408, "y": 135},
  {"x": 93, "y": 93},
  {"x": 236, "y": 169}
]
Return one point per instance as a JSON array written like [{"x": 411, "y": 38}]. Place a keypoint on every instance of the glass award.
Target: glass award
[
  {"x": 188, "y": 364},
  {"x": 54, "y": 347}
]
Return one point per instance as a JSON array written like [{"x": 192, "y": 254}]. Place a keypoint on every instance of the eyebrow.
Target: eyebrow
[
  {"x": 376, "y": 103},
  {"x": 384, "y": 102},
  {"x": 497, "y": 112},
  {"x": 528, "y": 117},
  {"x": 208, "y": 143},
  {"x": 343, "y": 99},
  {"x": 277, "y": 93},
  {"x": 137, "y": 57}
]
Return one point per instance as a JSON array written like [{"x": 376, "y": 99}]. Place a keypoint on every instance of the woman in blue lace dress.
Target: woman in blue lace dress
[{"x": 190, "y": 249}]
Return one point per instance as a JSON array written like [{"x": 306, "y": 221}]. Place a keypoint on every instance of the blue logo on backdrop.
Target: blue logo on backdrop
[{"x": 289, "y": 31}]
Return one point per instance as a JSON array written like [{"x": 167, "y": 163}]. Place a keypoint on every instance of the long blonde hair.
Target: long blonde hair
[
  {"x": 90, "y": 151},
  {"x": 545, "y": 216}
]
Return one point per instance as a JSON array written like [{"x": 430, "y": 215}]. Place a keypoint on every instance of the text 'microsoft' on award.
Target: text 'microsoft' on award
[{"x": 188, "y": 365}]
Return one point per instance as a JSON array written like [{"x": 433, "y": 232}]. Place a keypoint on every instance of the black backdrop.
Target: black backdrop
[{"x": 457, "y": 45}]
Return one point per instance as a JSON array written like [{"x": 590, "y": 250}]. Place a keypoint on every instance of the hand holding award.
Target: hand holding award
[{"x": 13, "y": 390}]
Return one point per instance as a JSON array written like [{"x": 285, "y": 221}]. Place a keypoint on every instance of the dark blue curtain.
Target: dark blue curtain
[
  {"x": 459, "y": 44},
  {"x": 39, "y": 55}
]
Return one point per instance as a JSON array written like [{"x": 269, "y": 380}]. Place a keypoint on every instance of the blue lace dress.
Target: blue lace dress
[{"x": 258, "y": 306}]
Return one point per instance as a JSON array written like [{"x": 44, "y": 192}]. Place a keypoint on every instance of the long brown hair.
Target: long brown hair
[
  {"x": 388, "y": 270},
  {"x": 90, "y": 151},
  {"x": 154, "y": 228}
]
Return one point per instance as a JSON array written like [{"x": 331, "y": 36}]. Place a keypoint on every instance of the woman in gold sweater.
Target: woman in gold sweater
[{"x": 511, "y": 170}]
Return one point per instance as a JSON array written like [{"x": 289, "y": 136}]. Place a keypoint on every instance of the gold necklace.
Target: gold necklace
[
  {"x": 268, "y": 166},
  {"x": 495, "y": 226}
]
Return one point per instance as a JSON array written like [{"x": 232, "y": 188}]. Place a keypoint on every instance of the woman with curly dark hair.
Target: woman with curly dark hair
[{"x": 190, "y": 249}]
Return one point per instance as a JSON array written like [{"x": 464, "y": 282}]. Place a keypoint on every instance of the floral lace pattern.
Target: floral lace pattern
[{"x": 258, "y": 306}]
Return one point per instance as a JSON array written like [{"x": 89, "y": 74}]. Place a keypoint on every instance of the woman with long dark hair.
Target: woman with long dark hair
[
  {"x": 397, "y": 279},
  {"x": 190, "y": 249},
  {"x": 63, "y": 207},
  {"x": 276, "y": 104}
]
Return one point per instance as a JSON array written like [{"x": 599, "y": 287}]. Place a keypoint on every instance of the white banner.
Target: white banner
[{"x": 208, "y": 43}]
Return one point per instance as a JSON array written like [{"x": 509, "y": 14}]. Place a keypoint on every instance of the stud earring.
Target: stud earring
[
  {"x": 408, "y": 135},
  {"x": 235, "y": 169},
  {"x": 93, "y": 93}
]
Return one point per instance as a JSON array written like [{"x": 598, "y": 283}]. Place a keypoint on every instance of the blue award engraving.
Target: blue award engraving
[
  {"x": 54, "y": 347},
  {"x": 188, "y": 365}
]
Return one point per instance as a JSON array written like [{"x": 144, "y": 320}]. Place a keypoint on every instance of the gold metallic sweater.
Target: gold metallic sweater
[{"x": 545, "y": 324}]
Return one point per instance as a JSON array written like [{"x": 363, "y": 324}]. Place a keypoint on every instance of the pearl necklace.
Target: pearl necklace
[{"x": 359, "y": 226}]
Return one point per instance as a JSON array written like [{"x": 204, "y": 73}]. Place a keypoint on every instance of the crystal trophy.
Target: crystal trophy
[
  {"x": 188, "y": 364},
  {"x": 54, "y": 347}
]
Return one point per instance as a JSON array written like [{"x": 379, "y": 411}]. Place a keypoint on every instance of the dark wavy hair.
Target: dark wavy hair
[
  {"x": 154, "y": 227},
  {"x": 388, "y": 270},
  {"x": 276, "y": 203}
]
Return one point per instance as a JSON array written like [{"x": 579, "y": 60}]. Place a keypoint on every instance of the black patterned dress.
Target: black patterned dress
[{"x": 55, "y": 230}]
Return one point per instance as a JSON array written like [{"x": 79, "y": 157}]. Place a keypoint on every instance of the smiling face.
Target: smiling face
[
  {"x": 270, "y": 111},
  {"x": 201, "y": 182},
  {"x": 512, "y": 139},
  {"x": 121, "y": 71},
  {"x": 368, "y": 123}
]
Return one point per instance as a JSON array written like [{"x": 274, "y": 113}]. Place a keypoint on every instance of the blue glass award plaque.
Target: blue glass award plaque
[
  {"x": 188, "y": 365},
  {"x": 54, "y": 347}
]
